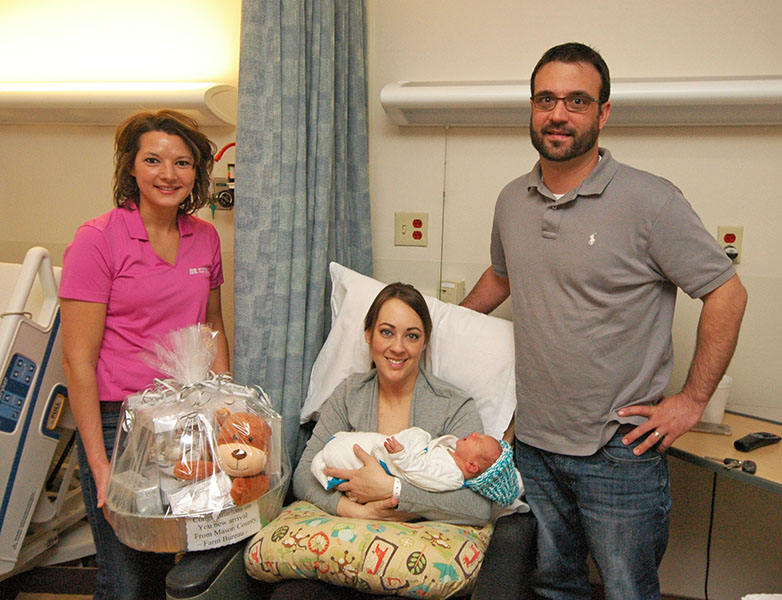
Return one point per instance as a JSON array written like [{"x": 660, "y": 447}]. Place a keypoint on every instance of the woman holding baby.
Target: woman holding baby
[{"x": 395, "y": 395}]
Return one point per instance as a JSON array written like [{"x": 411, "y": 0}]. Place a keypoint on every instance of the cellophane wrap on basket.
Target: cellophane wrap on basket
[{"x": 198, "y": 460}]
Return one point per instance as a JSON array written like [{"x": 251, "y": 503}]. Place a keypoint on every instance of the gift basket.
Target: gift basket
[{"x": 198, "y": 460}]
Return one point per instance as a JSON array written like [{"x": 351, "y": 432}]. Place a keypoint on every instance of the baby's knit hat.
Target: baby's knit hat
[{"x": 499, "y": 482}]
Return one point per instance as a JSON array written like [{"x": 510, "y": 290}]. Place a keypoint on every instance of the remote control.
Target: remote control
[{"x": 751, "y": 441}]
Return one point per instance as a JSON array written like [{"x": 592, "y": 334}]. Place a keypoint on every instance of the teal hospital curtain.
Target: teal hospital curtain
[{"x": 302, "y": 192}]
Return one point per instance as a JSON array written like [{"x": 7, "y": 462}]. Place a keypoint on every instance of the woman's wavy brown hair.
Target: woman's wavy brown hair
[{"x": 126, "y": 146}]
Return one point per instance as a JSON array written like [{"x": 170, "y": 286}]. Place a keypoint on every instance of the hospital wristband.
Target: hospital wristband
[{"x": 397, "y": 489}]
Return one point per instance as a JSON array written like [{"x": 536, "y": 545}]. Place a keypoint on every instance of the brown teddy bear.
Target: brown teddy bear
[{"x": 242, "y": 453}]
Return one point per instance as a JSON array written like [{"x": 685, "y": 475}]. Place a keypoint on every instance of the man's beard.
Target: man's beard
[{"x": 581, "y": 144}]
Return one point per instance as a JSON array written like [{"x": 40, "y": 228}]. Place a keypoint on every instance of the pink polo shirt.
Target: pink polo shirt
[{"x": 111, "y": 261}]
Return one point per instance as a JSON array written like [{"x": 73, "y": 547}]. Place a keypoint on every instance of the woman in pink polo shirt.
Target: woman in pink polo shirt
[{"x": 147, "y": 267}]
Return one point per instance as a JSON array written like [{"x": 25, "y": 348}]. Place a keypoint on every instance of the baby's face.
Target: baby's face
[{"x": 480, "y": 448}]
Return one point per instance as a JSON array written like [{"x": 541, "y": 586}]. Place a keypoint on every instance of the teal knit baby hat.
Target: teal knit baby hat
[{"x": 499, "y": 482}]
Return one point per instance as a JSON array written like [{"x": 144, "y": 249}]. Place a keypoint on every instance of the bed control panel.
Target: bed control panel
[{"x": 17, "y": 381}]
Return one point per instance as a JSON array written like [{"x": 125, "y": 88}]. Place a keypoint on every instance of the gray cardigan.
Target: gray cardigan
[{"x": 437, "y": 407}]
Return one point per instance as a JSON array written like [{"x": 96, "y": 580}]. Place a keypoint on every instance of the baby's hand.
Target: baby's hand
[{"x": 392, "y": 445}]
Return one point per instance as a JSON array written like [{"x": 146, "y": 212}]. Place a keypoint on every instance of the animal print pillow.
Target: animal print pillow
[{"x": 425, "y": 559}]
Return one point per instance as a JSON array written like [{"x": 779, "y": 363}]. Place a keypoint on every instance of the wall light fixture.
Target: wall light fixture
[{"x": 111, "y": 103}]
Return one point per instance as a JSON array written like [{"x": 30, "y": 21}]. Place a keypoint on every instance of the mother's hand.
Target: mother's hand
[
  {"x": 377, "y": 510},
  {"x": 367, "y": 483}
]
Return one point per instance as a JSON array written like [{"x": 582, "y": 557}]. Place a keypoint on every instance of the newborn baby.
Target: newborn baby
[{"x": 477, "y": 461}]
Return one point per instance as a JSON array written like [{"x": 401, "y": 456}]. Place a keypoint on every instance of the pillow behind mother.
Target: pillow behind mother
[{"x": 472, "y": 351}]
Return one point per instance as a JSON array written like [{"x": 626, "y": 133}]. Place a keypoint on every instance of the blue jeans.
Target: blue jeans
[
  {"x": 123, "y": 573},
  {"x": 613, "y": 505}
]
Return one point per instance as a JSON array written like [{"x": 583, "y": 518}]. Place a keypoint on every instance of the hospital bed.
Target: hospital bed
[{"x": 35, "y": 425}]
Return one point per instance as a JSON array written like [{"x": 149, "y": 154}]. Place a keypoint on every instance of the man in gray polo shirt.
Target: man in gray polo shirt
[{"x": 591, "y": 252}]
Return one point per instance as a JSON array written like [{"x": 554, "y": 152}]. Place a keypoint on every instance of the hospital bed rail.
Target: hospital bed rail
[{"x": 33, "y": 417}]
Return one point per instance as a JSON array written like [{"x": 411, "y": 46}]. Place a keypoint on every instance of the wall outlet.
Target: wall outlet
[
  {"x": 411, "y": 229},
  {"x": 730, "y": 238},
  {"x": 452, "y": 291}
]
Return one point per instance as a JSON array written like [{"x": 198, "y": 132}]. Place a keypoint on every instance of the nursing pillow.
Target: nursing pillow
[{"x": 426, "y": 559}]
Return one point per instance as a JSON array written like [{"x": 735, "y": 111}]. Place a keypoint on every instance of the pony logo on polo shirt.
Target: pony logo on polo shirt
[
  {"x": 591, "y": 241},
  {"x": 198, "y": 271}
]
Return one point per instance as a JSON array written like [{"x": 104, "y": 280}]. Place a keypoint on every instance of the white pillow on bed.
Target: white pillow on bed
[{"x": 470, "y": 350}]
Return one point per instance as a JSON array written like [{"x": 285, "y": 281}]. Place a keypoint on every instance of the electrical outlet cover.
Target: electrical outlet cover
[
  {"x": 411, "y": 229},
  {"x": 731, "y": 236}
]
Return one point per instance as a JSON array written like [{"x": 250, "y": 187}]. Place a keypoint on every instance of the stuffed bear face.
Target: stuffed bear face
[{"x": 243, "y": 444}]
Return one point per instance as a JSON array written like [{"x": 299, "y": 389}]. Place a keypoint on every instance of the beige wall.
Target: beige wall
[
  {"x": 729, "y": 174},
  {"x": 53, "y": 178}
]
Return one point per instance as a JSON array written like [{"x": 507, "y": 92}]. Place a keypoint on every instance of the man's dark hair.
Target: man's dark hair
[{"x": 574, "y": 52}]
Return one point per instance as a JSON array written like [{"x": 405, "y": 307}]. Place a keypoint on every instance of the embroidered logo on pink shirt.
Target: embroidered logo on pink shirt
[{"x": 199, "y": 271}]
